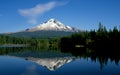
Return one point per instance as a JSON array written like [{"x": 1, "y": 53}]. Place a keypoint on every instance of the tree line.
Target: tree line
[
  {"x": 94, "y": 39},
  {"x": 34, "y": 42}
]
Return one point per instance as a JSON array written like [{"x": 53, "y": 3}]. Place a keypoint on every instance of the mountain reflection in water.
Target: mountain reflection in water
[
  {"x": 52, "y": 63},
  {"x": 52, "y": 60},
  {"x": 76, "y": 60}
]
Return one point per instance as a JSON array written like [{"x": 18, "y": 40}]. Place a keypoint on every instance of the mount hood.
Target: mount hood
[{"x": 53, "y": 25}]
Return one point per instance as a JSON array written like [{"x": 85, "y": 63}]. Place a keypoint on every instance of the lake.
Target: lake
[{"x": 31, "y": 61}]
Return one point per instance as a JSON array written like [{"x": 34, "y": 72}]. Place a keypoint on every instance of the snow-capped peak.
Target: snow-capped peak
[
  {"x": 53, "y": 25},
  {"x": 52, "y": 20}
]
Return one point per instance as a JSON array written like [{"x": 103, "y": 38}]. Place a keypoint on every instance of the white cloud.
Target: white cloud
[{"x": 33, "y": 13}]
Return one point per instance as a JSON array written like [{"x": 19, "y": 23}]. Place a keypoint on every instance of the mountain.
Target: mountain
[
  {"x": 53, "y": 25},
  {"x": 51, "y": 28}
]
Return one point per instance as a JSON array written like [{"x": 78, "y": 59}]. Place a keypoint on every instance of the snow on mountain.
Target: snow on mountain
[{"x": 53, "y": 25}]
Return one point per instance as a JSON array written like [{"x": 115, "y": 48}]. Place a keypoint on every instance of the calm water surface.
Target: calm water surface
[{"x": 44, "y": 62}]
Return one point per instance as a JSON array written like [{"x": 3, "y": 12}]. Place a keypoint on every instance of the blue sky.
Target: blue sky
[{"x": 16, "y": 15}]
